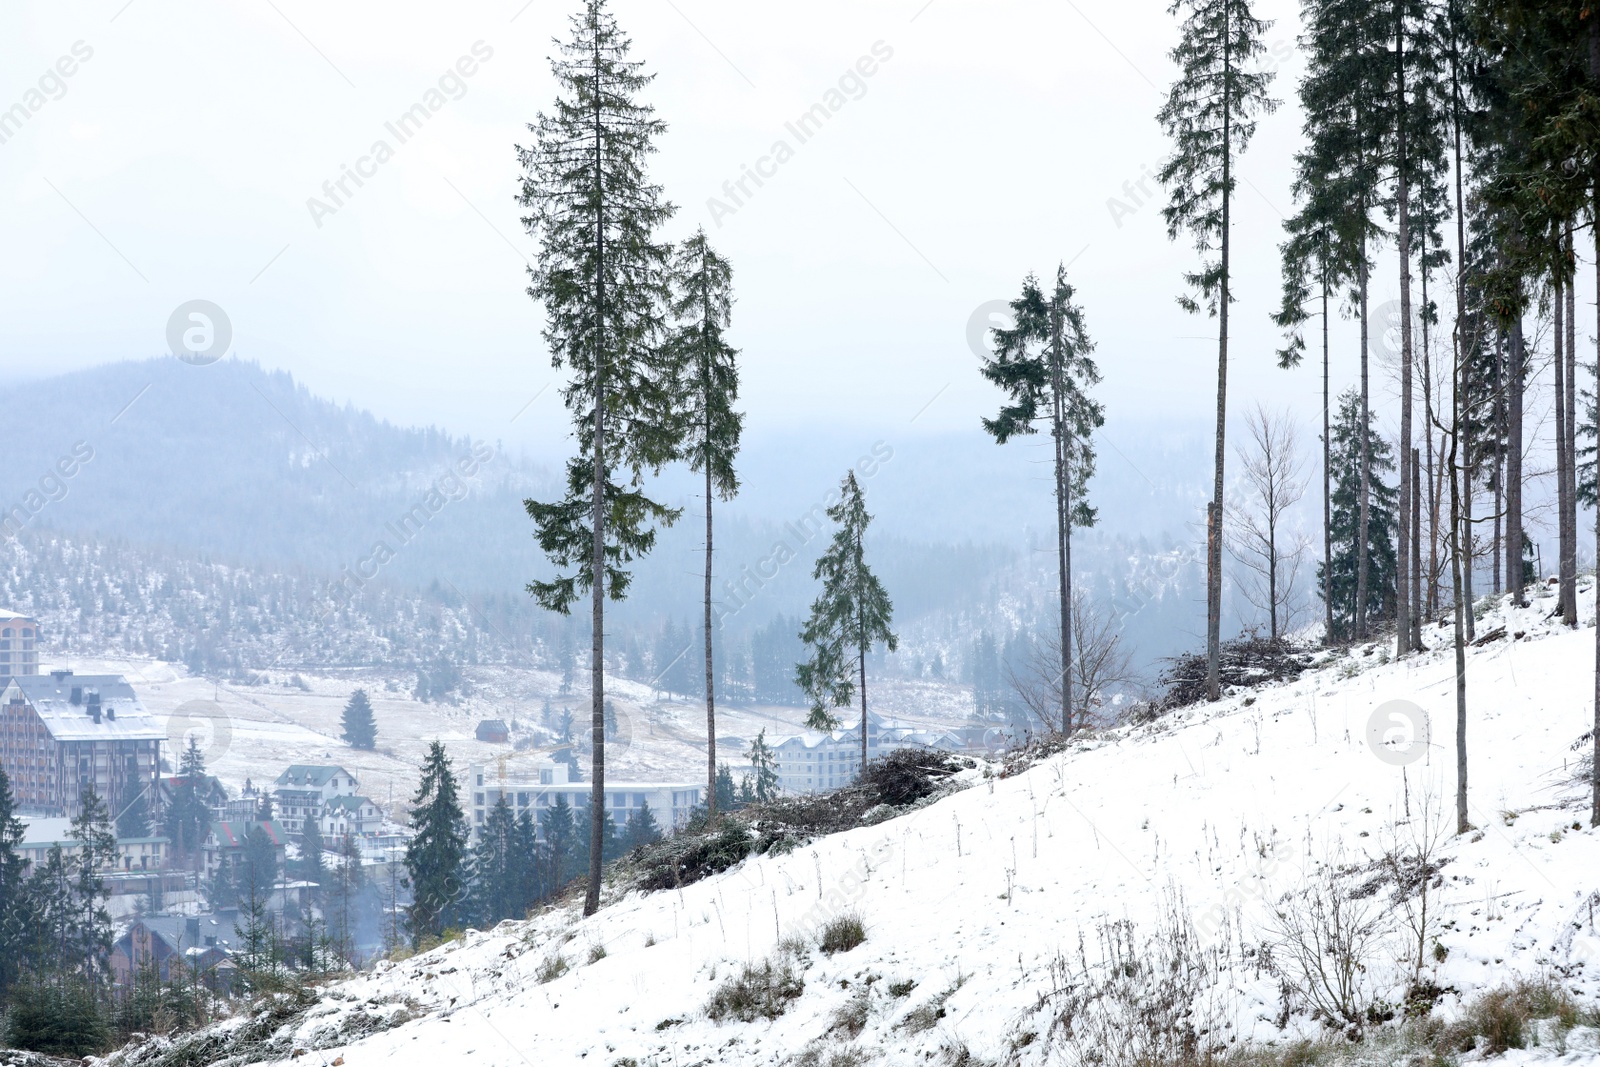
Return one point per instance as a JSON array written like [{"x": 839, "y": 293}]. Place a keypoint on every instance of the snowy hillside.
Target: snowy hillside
[{"x": 988, "y": 914}]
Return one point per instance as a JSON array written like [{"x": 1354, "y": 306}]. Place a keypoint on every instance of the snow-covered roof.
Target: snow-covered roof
[
  {"x": 308, "y": 774},
  {"x": 352, "y": 802},
  {"x": 4, "y": 615},
  {"x": 65, "y": 703}
]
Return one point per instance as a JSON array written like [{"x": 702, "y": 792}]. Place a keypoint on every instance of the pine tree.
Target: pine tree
[
  {"x": 187, "y": 816},
  {"x": 1210, "y": 115},
  {"x": 702, "y": 306},
  {"x": 14, "y": 903},
  {"x": 360, "y": 729},
  {"x": 495, "y": 893},
  {"x": 1348, "y": 452},
  {"x": 258, "y": 868},
  {"x": 528, "y": 879},
  {"x": 312, "y": 868},
  {"x": 851, "y": 615},
  {"x": 345, "y": 902},
  {"x": 724, "y": 795},
  {"x": 602, "y": 278},
  {"x": 1043, "y": 364},
  {"x": 133, "y": 814},
  {"x": 641, "y": 829},
  {"x": 560, "y": 833},
  {"x": 765, "y": 784},
  {"x": 96, "y": 852},
  {"x": 434, "y": 856}
]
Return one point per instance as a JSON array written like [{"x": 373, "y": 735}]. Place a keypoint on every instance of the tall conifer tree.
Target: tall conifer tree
[
  {"x": 1043, "y": 364},
  {"x": 702, "y": 305},
  {"x": 434, "y": 855},
  {"x": 852, "y": 614},
  {"x": 602, "y": 278},
  {"x": 1210, "y": 114}
]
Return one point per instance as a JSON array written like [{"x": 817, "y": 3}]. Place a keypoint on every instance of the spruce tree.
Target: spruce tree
[
  {"x": 641, "y": 829},
  {"x": 14, "y": 903},
  {"x": 702, "y": 305},
  {"x": 526, "y": 875},
  {"x": 1210, "y": 114},
  {"x": 96, "y": 852},
  {"x": 851, "y": 615},
  {"x": 434, "y": 855},
  {"x": 724, "y": 794},
  {"x": 495, "y": 893},
  {"x": 1351, "y": 447},
  {"x": 765, "y": 763},
  {"x": 187, "y": 817},
  {"x": 602, "y": 278},
  {"x": 312, "y": 867},
  {"x": 1042, "y": 363},
  {"x": 560, "y": 832},
  {"x": 360, "y": 728}
]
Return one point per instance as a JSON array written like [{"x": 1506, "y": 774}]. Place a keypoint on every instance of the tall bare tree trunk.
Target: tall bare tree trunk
[
  {"x": 1364, "y": 512},
  {"x": 711, "y": 700},
  {"x": 1460, "y": 472},
  {"x": 1415, "y": 536},
  {"x": 1560, "y": 361},
  {"x": 1063, "y": 522},
  {"x": 1569, "y": 448},
  {"x": 1430, "y": 602},
  {"x": 1514, "y": 376},
  {"x": 1463, "y": 606},
  {"x": 1499, "y": 455},
  {"x": 1327, "y": 481},
  {"x": 1402, "y": 598},
  {"x": 861, "y": 667}
]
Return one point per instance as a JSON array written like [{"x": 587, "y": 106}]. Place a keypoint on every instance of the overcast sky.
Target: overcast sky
[{"x": 177, "y": 161}]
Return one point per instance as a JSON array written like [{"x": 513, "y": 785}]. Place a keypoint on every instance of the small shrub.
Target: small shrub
[
  {"x": 759, "y": 992},
  {"x": 1502, "y": 1016},
  {"x": 851, "y": 1018},
  {"x": 902, "y": 987},
  {"x": 597, "y": 952},
  {"x": 926, "y": 1016},
  {"x": 552, "y": 968},
  {"x": 842, "y": 933}
]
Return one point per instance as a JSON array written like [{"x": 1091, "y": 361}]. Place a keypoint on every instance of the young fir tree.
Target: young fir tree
[
  {"x": 1349, "y": 453},
  {"x": 312, "y": 867},
  {"x": 1210, "y": 114},
  {"x": 258, "y": 868},
  {"x": 602, "y": 278},
  {"x": 434, "y": 855},
  {"x": 187, "y": 816},
  {"x": 494, "y": 890},
  {"x": 641, "y": 829},
  {"x": 1042, "y": 362},
  {"x": 360, "y": 728},
  {"x": 851, "y": 615},
  {"x": 560, "y": 840},
  {"x": 525, "y": 873},
  {"x": 14, "y": 909},
  {"x": 702, "y": 305},
  {"x": 765, "y": 781},
  {"x": 96, "y": 852},
  {"x": 724, "y": 794}
]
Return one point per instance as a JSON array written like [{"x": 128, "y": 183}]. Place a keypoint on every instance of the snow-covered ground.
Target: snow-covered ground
[{"x": 983, "y": 899}]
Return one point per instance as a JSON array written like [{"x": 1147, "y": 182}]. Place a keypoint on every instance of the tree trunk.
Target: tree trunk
[
  {"x": 1514, "y": 376},
  {"x": 1499, "y": 454},
  {"x": 1064, "y": 550},
  {"x": 1560, "y": 361},
  {"x": 861, "y": 666},
  {"x": 1402, "y": 597},
  {"x": 1430, "y": 601},
  {"x": 1463, "y": 608},
  {"x": 597, "y": 560},
  {"x": 711, "y": 700},
  {"x": 1363, "y": 528},
  {"x": 1460, "y": 493},
  {"x": 1416, "y": 550},
  {"x": 1327, "y": 481},
  {"x": 1569, "y": 447}
]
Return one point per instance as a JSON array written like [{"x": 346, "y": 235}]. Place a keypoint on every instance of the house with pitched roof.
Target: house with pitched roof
[
  {"x": 19, "y": 645},
  {"x": 224, "y": 844},
  {"x": 304, "y": 789}
]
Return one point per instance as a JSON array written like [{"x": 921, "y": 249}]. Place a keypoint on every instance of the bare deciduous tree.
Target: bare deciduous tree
[
  {"x": 1100, "y": 662},
  {"x": 1258, "y": 538}
]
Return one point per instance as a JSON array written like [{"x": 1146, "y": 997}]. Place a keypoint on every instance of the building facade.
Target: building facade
[
  {"x": 303, "y": 790},
  {"x": 19, "y": 645},
  {"x": 61, "y": 734},
  {"x": 817, "y": 762},
  {"x": 536, "y": 787}
]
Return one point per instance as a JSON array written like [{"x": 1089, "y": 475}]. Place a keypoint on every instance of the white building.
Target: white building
[
  {"x": 536, "y": 785},
  {"x": 817, "y": 762},
  {"x": 349, "y": 816},
  {"x": 304, "y": 790}
]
